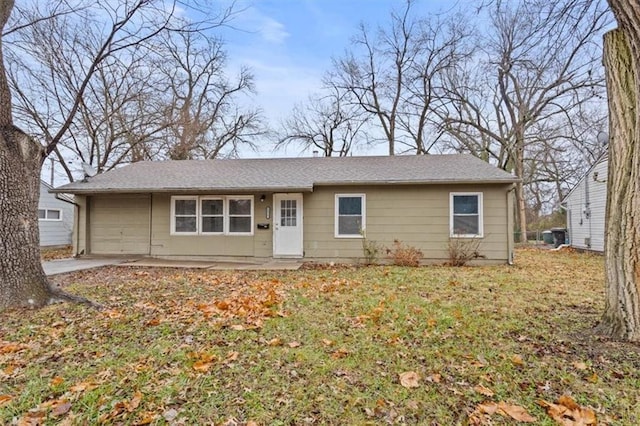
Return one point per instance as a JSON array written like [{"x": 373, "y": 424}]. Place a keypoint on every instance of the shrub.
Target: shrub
[
  {"x": 462, "y": 251},
  {"x": 402, "y": 255},
  {"x": 370, "y": 249}
]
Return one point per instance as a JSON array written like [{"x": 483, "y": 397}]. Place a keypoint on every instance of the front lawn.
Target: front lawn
[{"x": 372, "y": 345}]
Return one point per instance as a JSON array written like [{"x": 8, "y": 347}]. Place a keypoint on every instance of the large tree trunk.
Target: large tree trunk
[
  {"x": 621, "y": 319},
  {"x": 22, "y": 280}
]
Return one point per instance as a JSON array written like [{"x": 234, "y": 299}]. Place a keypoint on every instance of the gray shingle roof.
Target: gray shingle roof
[{"x": 290, "y": 174}]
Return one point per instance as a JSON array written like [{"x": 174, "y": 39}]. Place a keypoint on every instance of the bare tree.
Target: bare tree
[
  {"x": 132, "y": 23},
  {"x": 118, "y": 118},
  {"x": 621, "y": 319},
  {"x": 326, "y": 122},
  {"x": 393, "y": 74},
  {"x": 201, "y": 101},
  {"x": 539, "y": 63}
]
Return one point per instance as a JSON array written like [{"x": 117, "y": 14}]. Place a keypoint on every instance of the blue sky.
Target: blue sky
[{"x": 288, "y": 44}]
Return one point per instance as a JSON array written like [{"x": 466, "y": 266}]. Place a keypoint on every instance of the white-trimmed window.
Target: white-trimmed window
[
  {"x": 184, "y": 215},
  {"x": 350, "y": 217},
  {"x": 240, "y": 215},
  {"x": 211, "y": 215},
  {"x": 50, "y": 214},
  {"x": 466, "y": 214}
]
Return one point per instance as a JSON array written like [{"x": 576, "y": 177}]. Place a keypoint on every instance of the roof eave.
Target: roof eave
[
  {"x": 419, "y": 182},
  {"x": 236, "y": 190}
]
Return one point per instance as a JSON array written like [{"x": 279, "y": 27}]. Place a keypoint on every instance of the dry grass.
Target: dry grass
[{"x": 320, "y": 346}]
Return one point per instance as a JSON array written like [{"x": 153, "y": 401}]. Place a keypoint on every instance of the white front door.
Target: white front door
[{"x": 287, "y": 225}]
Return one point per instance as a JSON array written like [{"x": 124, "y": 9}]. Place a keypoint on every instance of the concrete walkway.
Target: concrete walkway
[
  {"x": 62, "y": 266},
  {"x": 274, "y": 264}
]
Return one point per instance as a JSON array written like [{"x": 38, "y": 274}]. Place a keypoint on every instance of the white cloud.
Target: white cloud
[{"x": 272, "y": 31}]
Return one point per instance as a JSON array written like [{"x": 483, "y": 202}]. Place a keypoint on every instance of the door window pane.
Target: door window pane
[{"x": 288, "y": 212}]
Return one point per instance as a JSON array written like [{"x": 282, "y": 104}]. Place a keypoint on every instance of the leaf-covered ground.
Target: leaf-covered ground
[
  {"x": 55, "y": 253},
  {"x": 373, "y": 345}
]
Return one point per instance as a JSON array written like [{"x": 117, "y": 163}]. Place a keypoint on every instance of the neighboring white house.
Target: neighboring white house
[
  {"x": 55, "y": 217},
  {"x": 586, "y": 205}
]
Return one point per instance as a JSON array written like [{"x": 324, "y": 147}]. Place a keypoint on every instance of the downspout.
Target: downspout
[
  {"x": 587, "y": 205},
  {"x": 510, "y": 227},
  {"x": 150, "y": 221},
  {"x": 569, "y": 222}
]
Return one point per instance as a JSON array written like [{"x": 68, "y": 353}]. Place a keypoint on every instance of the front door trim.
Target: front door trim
[{"x": 287, "y": 240}]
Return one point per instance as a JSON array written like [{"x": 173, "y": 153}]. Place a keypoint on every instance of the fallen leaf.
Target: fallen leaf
[
  {"x": 145, "y": 419},
  {"x": 515, "y": 412},
  {"x": 232, "y": 356},
  {"x": 61, "y": 409},
  {"x": 567, "y": 412},
  {"x": 275, "y": 342},
  {"x": 4, "y": 399},
  {"x": 432, "y": 322},
  {"x": 8, "y": 347},
  {"x": 483, "y": 390},
  {"x": 202, "y": 366},
  {"x": 83, "y": 386},
  {"x": 9, "y": 369},
  {"x": 593, "y": 378},
  {"x": 340, "y": 353},
  {"x": 294, "y": 344},
  {"x": 517, "y": 360},
  {"x": 413, "y": 405},
  {"x": 580, "y": 365},
  {"x": 410, "y": 379},
  {"x": 135, "y": 402},
  {"x": 327, "y": 342},
  {"x": 568, "y": 402},
  {"x": 488, "y": 408},
  {"x": 434, "y": 378},
  {"x": 56, "y": 381}
]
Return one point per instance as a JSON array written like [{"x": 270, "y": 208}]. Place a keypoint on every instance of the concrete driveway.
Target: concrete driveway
[{"x": 62, "y": 266}]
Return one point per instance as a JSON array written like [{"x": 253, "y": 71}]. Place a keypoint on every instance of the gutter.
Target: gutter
[
  {"x": 277, "y": 189},
  {"x": 185, "y": 191}
]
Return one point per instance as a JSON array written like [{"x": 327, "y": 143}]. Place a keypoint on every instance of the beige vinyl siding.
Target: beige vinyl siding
[
  {"x": 81, "y": 226},
  {"x": 416, "y": 215},
  {"x": 119, "y": 224},
  {"x": 192, "y": 246}
]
